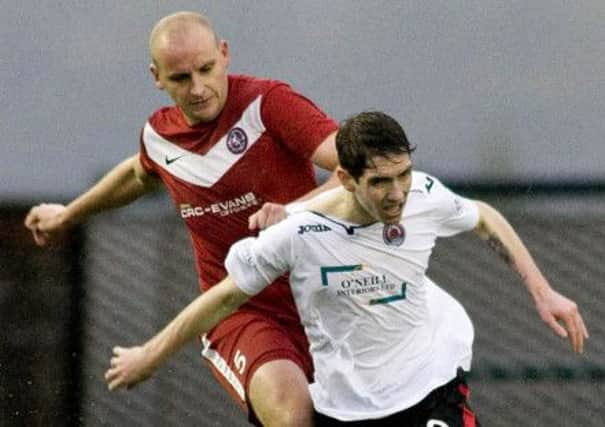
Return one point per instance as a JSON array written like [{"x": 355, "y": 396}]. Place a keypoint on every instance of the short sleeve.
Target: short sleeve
[
  {"x": 254, "y": 263},
  {"x": 295, "y": 120},
  {"x": 459, "y": 214},
  {"x": 465, "y": 217},
  {"x": 148, "y": 165}
]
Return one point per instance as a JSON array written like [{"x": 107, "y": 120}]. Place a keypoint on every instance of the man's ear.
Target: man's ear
[
  {"x": 156, "y": 76},
  {"x": 347, "y": 181},
  {"x": 224, "y": 49}
]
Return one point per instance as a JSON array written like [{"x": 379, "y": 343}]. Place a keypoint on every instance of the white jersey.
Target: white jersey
[{"x": 382, "y": 335}]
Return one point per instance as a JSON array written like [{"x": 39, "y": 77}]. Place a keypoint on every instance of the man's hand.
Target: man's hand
[
  {"x": 562, "y": 315},
  {"x": 47, "y": 222},
  {"x": 269, "y": 214},
  {"x": 129, "y": 366}
]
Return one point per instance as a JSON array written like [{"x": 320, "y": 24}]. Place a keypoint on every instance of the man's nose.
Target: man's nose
[
  {"x": 396, "y": 192},
  {"x": 198, "y": 85}
]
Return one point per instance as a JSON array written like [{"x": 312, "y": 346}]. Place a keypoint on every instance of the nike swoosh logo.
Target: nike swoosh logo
[
  {"x": 174, "y": 159},
  {"x": 207, "y": 169}
]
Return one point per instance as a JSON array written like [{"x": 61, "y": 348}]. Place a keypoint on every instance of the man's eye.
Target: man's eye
[
  {"x": 207, "y": 68},
  {"x": 179, "y": 78}
]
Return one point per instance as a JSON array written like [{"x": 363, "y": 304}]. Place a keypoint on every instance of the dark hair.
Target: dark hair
[{"x": 366, "y": 135}]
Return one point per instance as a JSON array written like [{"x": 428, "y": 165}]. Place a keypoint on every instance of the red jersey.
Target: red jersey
[{"x": 219, "y": 173}]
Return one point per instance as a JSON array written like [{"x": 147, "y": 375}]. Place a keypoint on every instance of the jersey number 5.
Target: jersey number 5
[{"x": 240, "y": 362}]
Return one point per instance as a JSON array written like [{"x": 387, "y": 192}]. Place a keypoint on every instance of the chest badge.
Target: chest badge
[
  {"x": 237, "y": 140},
  {"x": 393, "y": 234}
]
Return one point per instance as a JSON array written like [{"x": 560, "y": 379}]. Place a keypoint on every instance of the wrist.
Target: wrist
[
  {"x": 151, "y": 355},
  {"x": 539, "y": 291},
  {"x": 71, "y": 216}
]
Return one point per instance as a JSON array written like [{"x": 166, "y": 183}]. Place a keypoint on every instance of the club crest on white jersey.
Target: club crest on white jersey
[{"x": 393, "y": 234}]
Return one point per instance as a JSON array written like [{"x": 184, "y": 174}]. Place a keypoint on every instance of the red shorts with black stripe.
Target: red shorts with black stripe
[{"x": 246, "y": 340}]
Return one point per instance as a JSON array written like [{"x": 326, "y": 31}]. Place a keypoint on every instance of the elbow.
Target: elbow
[
  {"x": 232, "y": 299},
  {"x": 233, "y": 302},
  {"x": 486, "y": 215}
]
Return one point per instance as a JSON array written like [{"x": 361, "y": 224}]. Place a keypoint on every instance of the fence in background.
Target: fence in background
[
  {"x": 39, "y": 317},
  {"x": 138, "y": 273}
]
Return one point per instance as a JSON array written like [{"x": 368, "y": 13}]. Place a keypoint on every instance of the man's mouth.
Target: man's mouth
[
  {"x": 200, "y": 102},
  {"x": 393, "y": 210}
]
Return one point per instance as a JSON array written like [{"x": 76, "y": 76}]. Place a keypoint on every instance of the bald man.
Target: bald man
[{"x": 232, "y": 151}]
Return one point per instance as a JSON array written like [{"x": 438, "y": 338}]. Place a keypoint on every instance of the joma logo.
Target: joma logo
[{"x": 316, "y": 228}]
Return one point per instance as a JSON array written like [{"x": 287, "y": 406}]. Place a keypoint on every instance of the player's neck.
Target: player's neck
[
  {"x": 353, "y": 211},
  {"x": 343, "y": 205}
]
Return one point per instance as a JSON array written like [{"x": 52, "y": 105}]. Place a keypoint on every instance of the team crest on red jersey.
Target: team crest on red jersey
[
  {"x": 237, "y": 140},
  {"x": 393, "y": 234}
]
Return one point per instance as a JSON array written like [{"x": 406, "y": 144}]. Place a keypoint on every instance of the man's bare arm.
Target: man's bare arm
[
  {"x": 129, "y": 366},
  {"x": 559, "y": 312},
  {"x": 125, "y": 183}
]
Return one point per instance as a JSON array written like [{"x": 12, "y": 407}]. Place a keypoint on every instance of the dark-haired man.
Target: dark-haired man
[{"x": 389, "y": 346}]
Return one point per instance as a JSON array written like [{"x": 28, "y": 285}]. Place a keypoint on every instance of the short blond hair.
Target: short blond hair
[{"x": 176, "y": 23}]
